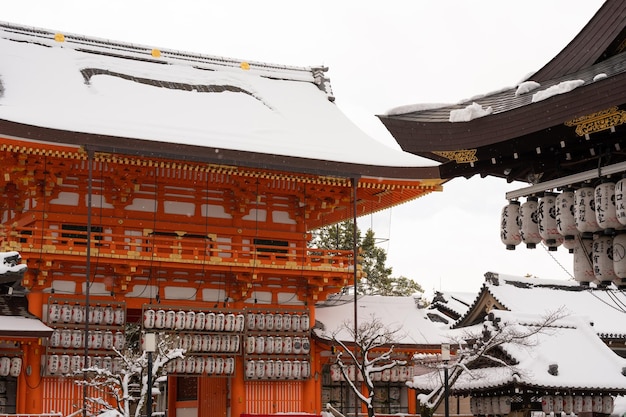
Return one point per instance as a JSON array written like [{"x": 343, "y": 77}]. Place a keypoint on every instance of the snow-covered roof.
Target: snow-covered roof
[
  {"x": 455, "y": 303},
  {"x": 400, "y": 313},
  {"x": 582, "y": 360},
  {"x": 604, "y": 307},
  {"x": 20, "y": 326},
  {"x": 99, "y": 87},
  {"x": 10, "y": 266}
]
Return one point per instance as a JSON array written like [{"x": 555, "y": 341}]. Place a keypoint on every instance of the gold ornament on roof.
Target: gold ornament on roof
[
  {"x": 463, "y": 156},
  {"x": 598, "y": 121}
]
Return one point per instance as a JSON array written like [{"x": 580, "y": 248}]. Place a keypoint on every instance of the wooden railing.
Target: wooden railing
[{"x": 176, "y": 248}]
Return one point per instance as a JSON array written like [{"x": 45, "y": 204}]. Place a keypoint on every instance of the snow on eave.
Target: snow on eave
[
  {"x": 560, "y": 88},
  {"x": 469, "y": 113},
  {"x": 414, "y": 108}
]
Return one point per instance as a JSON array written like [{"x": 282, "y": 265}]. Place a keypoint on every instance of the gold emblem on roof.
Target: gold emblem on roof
[
  {"x": 463, "y": 156},
  {"x": 598, "y": 121}
]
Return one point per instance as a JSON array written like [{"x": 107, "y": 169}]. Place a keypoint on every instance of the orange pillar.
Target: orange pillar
[
  {"x": 30, "y": 382},
  {"x": 238, "y": 389}
]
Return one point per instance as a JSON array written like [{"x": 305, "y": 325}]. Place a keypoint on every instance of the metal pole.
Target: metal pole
[
  {"x": 87, "y": 275},
  {"x": 149, "y": 399},
  {"x": 355, "y": 254},
  {"x": 446, "y": 406}
]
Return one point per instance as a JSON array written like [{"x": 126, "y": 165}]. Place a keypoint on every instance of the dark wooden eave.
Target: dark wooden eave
[
  {"x": 210, "y": 155},
  {"x": 527, "y": 141}
]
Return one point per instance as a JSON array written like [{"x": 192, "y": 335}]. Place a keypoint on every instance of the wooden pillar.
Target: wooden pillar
[
  {"x": 238, "y": 389},
  {"x": 30, "y": 382}
]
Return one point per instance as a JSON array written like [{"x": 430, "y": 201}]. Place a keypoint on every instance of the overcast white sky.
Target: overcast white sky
[{"x": 380, "y": 54}]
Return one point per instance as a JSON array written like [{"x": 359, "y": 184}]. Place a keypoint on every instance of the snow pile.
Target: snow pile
[
  {"x": 561, "y": 88},
  {"x": 473, "y": 111},
  {"x": 11, "y": 263},
  {"x": 599, "y": 77},
  {"x": 413, "y": 108},
  {"x": 526, "y": 87}
]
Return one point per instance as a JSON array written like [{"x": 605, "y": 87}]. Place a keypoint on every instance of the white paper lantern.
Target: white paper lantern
[
  {"x": 190, "y": 364},
  {"x": 529, "y": 223},
  {"x": 219, "y": 322},
  {"x": 278, "y": 370},
  {"x": 287, "y": 322},
  {"x": 259, "y": 344},
  {"x": 606, "y": 215},
  {"x": 229, "y": 322},
  {"x": 287, "y": 369},
  {"x": 107, "y": 340},
  {"x": 287, "y": 345},
  {"x": 200, "y": 321},
  {"x": 269, "y": 368},
  {"x": 608, "y": 404},
  {"x": 487, "y": 405},
  {"x": 495, "y": 405},
  {"x": 240, "y": 321},
  {"x": 209, "y": 323},
  {"x": 306, "y": 369},
  {"x": 251, "y": 321},
  {"x": 234, "y": 343},
  {"x": 66, "y": 338},
  {"x": 269, "y": 321},
  {"x": 278, "y": 322},
  {"x": 295, "y": 369},
  {"x": 190, "y": 320},
  {"x": 596, "y": 404},
  {"x": 229, "y": 366},
  {"x": 558, "y": 403},
  {"x": 119, "y": 316},
  {"x": 546, "y": 214},
  {"x": 620, "y": 201},
  {"x": 587, "y": 404},
  {"x": 547, "y": 404},
  {"x": 55, "y": 338},
  {"x": 209, "y": 366},
  {"x": 505, "y": 404},
  {"x": 200, "y": 363},
  {"x": 170, "y": 319},
  {"x": 54, "y": 313},
  {"x": 77, "y": 339},
  {"x": 585, "y": 210},
  {"x": 259, "y": 321},
  {"x": 216, "y": 342},
  {"x": 568, "y": 404},
  {"x": 66, "y": 313},
  {"x": 509, "y": 225},
  {"x": 52, "y": 365},
  {"x": 603, "y": 258},
  {"x": 305, "y": 322},
  {"x": 565, "y": 220},
  {"x": 269, "y": 345},
  {"x": 278, "y": 344},
  {"x": 179, "y": 323},
  {"x": 619, "y": 255},
  {"x": 295, "y": 322},
  {"x": 259, "y": 369},
  {"x": 16, "y": 365},
  {"x": 250, "y": 344},
  {"x": 297, "y": 345},
  {"x": 583, "y": 262},
  {"x": 119, "y": 340},
  {"x": 109, "y": 316},
  {"x": 78, "y": 314},
  {"x": 225, "y": 343}
]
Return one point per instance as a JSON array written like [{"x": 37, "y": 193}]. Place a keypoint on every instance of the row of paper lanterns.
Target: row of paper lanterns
[
  {"x": 549, "y": 404},
  {"x": 10, "y": 366},
  {"x": 400, "y": 373},
  {"x": 192, "y": 320},
  {"x": 202, "y": 365},
  {"x": 277, "y": 369},
  {"x": 556, "y": 218},
  {"x": 68, "y": 364},
  {"x": 277, "y": 345},
  {"x": 226, "y": 322},
  {"x": 209, "y": 343},
  {"x": 74, "y": 313},
  {"x": 96, "y": 339}
]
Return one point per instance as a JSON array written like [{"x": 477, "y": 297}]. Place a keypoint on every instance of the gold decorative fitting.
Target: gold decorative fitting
[
  {"x": 59, "y": 37},
  {"x": 156, "y": 53},
  {"x": 596, "y": 122},
  {"x": 463, "y": 156}
]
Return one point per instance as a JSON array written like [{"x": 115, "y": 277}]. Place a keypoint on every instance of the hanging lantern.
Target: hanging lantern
[
  {"x": 229, "y": 322},
  {"x": 269, "y": 368},
  {"x": 200, "y": 362},
  {"x": 234, "y": 343},
  {"x": 546, "y": 214},
  {"x": 607, "y": 404},
  {"x": 587, "y": 404},
  {"x": 505, "y": 404},
  {"x": 239, "y": 323},
  {"x": 565, "y": 221},
  {"x": 606, "y": 214},
  {"x": 250, "y": 369},
  {"x": 209, "y": 366},
  {"x": 295, "y": 369},
  {"x": 619, "y": 255},
  {"x": 603, "y": 258},
  {"x": 583, "y": 263},
  {"x": 547, "y": 404},
  {"x": 278, "y": 371},
  {"x": 509, "y": 225},
  {"x": 568, "y": 404},
  {"x": 179, "y": 324},
  {"x": 200, "y": 321},
  {"x": 585, "y": 210},
  {"x": 528, "y": 223},
  {"x": 170, "y": 319},
  {"x": 278, "y": 344},
  {"x": 286, "y": 372},
  {"x": 620, "y": 201},
  {"x": 190, "y": 320},
  {"x": 558, "y": 403},
  {"x": 473, "y": 406},
  {"x": 596, "y": 404}
]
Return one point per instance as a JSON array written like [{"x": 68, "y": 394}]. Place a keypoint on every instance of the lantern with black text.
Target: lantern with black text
[
  {"x": 509, "y": 225},
  {"x": 606, "y": 215},
  {"x": 565, "y": 222},
  {"x": 528, "y": 223},
  {"x": 583, "y": 264},
  {"x": 603, "y": 258},
  {"x": 546, "y": 214},
  {"x": 585, "y": 210}
]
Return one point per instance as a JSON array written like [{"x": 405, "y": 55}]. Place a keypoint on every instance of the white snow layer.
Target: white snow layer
[
  {"x": 471, "y": 112},
  {"x": 560, "y": 88}
]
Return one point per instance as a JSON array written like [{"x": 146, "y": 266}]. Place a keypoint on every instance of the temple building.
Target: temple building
[
  {"x": 179, "y": 192},
  {"x": 560, "y": 134}
]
